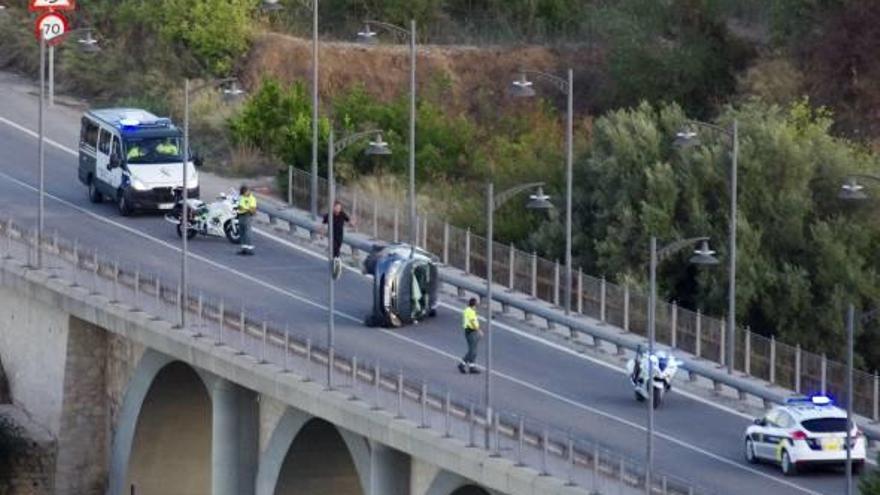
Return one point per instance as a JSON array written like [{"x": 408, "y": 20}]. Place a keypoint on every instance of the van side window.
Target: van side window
[
  {"x": 88, "y": 135},
  {"x": 117, "y": 148},
  {"x": 104, "y": 143}
]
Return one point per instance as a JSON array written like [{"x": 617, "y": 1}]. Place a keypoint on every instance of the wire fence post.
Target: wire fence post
[
  {"x": 242, "y": 327},
  {"x": 396, "y": 224},
  {"x": 556, "y": 283},
  {"x": 876, "y": 409},
  {"x": 264, "y": 343},
  {"x": 797, "y": 371},
  {"x": 221, "y": 316},
  {"x": 580, "y": 291},
  {"x": 772, "y": 359},
  {"x": 425, "y": 232},
  {"x": 747, "y": 352},
  {"x": 626, "y": 307},
  {"x": 467, "y": 251},
  {"x": 447, "y": 414},
  {"x": 825, "y": 374},
  {"x": 570, "y": 451},
  {"x": 137, "y": 288},
  {"x": 115, "y": 282},
  {"x": 423, "y": 404},
  {"x": 698, "y": 351},
  {"x": 496, "y": 434},
  {"x": 545, "y": 447},
  {"x": 534, "y": 285},
  {"x": 511, "y": 267},
  {"x": 354, "y": 378},
  {"x": 200, "y": 308},
  {"x": 520, "y": 441},
  {"x": 472, "y": 427},
  {"x": 286, "y": 364},
  {"x": 375, "y": 218},
  {"x": 445, "y": 243},
  {"x": 602, "y": 289},
  {"x": 722, "y": 357},
  {"x": 399, "y": 395},
  {"x": 673, "y": 326}
]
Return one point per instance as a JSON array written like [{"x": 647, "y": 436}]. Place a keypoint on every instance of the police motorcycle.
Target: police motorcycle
[
  {"x": 664, "y": 367},
  {"x": 216, "y": 219},
  {"x": 405, "y": 285}
]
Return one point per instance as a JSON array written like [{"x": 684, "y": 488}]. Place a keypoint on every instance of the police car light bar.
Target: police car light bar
[{"x": 816, "y": 400}]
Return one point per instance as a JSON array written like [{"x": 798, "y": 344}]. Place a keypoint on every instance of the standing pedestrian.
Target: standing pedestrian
[
  {"x": 340, "y": 218},
  {"x": 472, "y": 334},
  {"x": 246, "y": 208}
]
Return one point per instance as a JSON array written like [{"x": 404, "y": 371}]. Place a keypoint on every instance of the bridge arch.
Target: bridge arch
[
  {"x": 446, "y": 483},
  {"x": 163, "y": 388},
  {"x": 337, "y": 459}
]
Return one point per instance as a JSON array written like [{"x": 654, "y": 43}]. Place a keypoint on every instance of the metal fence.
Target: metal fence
[
  {"x": 407, "y": 394},
  {"x": 703, "y": 336}
]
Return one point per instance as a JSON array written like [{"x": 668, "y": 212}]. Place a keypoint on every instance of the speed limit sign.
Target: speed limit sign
[{"x": 51, "y": 27}]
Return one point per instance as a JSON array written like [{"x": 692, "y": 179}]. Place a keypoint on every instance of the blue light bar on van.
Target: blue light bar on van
[
  {"x": 816, "y": 400},
  {"x": 133, "y": 122}
]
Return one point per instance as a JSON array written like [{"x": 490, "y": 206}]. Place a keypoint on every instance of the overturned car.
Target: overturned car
[{"x": 405, "y": 285}]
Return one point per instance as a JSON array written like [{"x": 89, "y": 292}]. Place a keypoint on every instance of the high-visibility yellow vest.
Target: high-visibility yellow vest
[
  {"x": 247, "y": 204},
  {"x": 469, "y": 319}
]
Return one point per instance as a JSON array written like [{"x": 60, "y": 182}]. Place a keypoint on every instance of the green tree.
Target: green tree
[
  {"x": 802, "y": 253},
  {"x": 869, "y": 483}
]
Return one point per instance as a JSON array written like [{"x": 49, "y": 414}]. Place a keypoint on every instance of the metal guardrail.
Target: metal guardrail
[
  {"x": 745, "y": 386},
  {"x": 527, "y": 441}
]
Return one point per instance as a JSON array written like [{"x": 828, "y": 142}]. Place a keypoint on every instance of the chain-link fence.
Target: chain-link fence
[
  {"x": 692, "y": 332},
  {"x": 408, "y": 394}
]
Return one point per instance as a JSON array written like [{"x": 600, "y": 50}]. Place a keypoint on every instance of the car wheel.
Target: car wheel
[
  {"x": 788, "y": 468},
  {"x": 122, "y": 204},
  {"x": 94, "y": 195},
  {"x": 750, "y": 452}
]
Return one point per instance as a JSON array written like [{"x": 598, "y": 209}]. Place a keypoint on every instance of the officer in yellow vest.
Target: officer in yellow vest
[
  {"x": 472, "y": 334},
  {"x": 246, "y": 208}
]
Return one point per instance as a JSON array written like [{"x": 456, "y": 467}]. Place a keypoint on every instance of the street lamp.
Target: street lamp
[
  {"x": 537, "y": 201},
  {"x": 851, "y": 190},
  {"x": 689, "y": 137},
  {"x": 702, "y": 256},
  {"x": 229, "y": 93},
  {"x": 369, "y": 36},
  {"x": 377, "y": 146},
  {"x": 271, "y": 6},
  {"x": 523, "y": 88}
]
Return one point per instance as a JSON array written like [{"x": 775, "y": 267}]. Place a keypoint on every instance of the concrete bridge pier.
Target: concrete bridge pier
[{"x": 234, "y": 439}]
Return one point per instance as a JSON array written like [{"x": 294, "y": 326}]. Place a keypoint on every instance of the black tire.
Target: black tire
[
  {"x": 751, "y": 457},
  {"x": 122, "y": 204},
  {"x": 857, "y": 467},
  {"x": 233, "y": 233},
  {"x": 788, "y": 468},
  {"x": 95, "y": 195},
  {"x": 190, "y": 233}
]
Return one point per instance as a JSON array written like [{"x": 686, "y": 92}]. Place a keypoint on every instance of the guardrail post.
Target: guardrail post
[
  {"x": 602, "y": 288},
  {"x": 722, "y": 360},
  {"x": 375, "y": 218},
  {"x": 698, "y": 345},
  {"x": 747, "y": 352},
  {"x": 626, "y": 308},
  {"x": 467, "y": 251},
  {"x": 772, "y": 359},
  {"x": 580, "y": 291},
  {"x": 556, "y": 284},
  {"x": 797, "y": 369},
  {"x": 396, "y": 224},
  {"x": 445, "y": 243},
  {"x": 876, "y": 409},
  {"x": 673, "y": 326},
  {"x": 825, "y": 374}
]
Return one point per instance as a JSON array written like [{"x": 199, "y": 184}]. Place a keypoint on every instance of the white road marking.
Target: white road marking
[{"x": 309, "y": 302}]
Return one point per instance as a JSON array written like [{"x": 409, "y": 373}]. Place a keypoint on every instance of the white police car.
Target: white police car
[{"x": 804, "y": 431}]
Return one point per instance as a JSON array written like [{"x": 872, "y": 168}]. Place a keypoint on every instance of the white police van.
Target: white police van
[{"x": 133, "y": 158}]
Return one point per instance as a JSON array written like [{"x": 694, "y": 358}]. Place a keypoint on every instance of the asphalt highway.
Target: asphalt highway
[{"x": 286, "y": 283}]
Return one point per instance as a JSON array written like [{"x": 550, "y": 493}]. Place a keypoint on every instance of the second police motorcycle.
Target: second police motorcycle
[
  {"x": 664, "y": 367},
  {"x": 216, "y": 219}
]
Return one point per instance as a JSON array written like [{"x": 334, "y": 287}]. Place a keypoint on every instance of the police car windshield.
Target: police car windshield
[
  {"x": 825, "y": 425},
  {"x": 153, "y": 150}
]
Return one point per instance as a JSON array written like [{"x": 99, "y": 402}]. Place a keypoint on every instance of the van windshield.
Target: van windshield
[{"x": 153, "y": 150}]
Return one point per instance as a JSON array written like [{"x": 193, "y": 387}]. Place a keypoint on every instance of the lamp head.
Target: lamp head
[
  {"x": 522, "y": 87},
  {"x": 271, "y": 6},
  {"x": 367, "y": 36},
  {"x": 704, "y": 255},
  {"x": 685, "y": 138},
  {"x": 852, "y": 191},
  {"x": 88, "y": 43},
  {"x": 539, "y": 200},
  {"x": 378, "y": 147},
  {"x": 232, "y": 92}
]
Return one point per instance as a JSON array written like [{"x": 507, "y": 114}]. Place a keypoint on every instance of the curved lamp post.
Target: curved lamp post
[
  {"x": 377, "y": 146},
  {"x": 231, "y": 91},
  {"x": 369, "y": 36},
  {"x": 523, "y": 88},
  {"x": 689, "y": 137},
  {"x": 702, "y": 256},
  {"x": 537, "y": 201}
]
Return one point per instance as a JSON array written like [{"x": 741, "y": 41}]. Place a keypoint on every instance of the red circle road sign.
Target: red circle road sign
[
  {"x": 51, "y": 26},
  {"x": 39, "y": 5}
]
